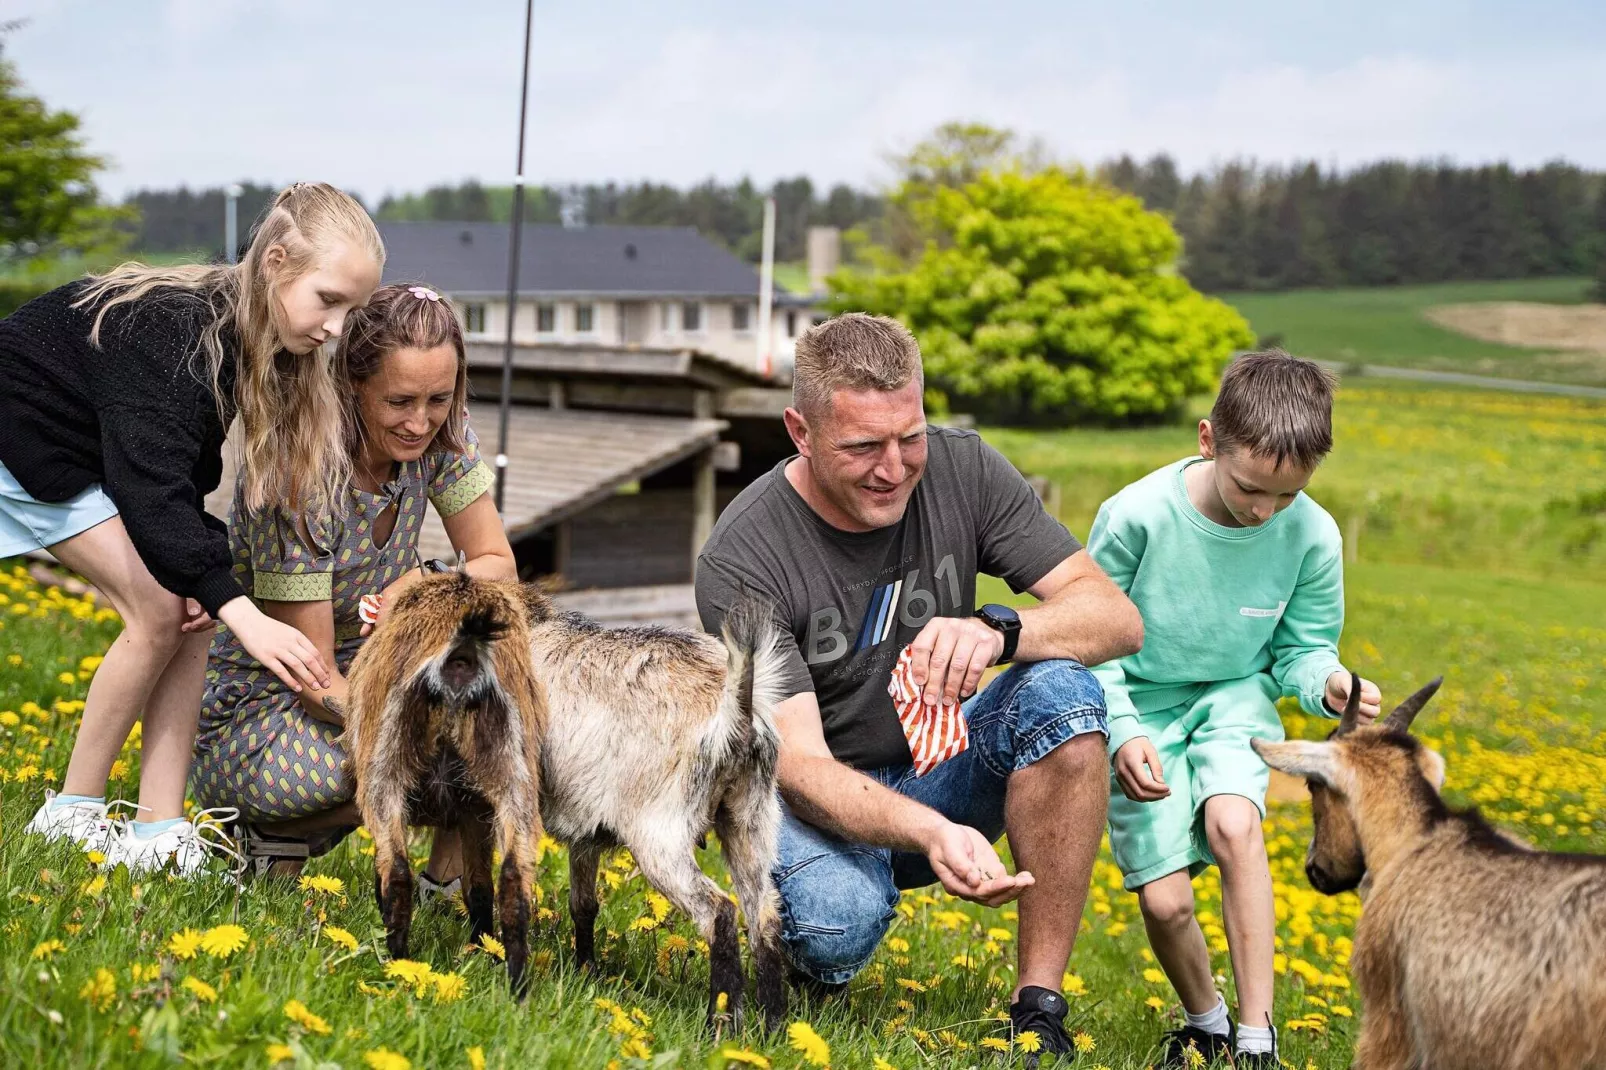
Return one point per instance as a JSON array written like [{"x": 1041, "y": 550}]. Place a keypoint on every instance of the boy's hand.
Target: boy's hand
[
  {"x": 1338, "y": 694},
  {"x": 1137, "y": 770}
]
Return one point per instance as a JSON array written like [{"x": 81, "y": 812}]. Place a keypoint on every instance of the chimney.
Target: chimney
[{"x": 825, "y": 255}]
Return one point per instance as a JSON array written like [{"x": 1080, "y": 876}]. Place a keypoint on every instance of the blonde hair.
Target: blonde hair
[
  {"x": 403, "y": 316},
  {"x": 856, "y": 351},
  {"x": 292, "y": 451}
]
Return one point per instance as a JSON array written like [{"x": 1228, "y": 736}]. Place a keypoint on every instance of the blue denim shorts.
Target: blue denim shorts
[
  {"x": 837, "y": 898},
  {"x": 27, "y": 524}
]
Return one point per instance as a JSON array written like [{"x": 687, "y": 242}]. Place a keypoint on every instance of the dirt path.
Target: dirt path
[{"x": 1574, "y": 328}]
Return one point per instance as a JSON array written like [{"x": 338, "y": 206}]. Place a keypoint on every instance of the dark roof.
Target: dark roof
[{"x": 471, "y": 258}]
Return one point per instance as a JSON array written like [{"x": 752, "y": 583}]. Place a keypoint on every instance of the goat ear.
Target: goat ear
[
  {"x": 1352, "y": 707},
  {"x": 1400, "y": 720},
  {"x": 1298, "y": 757}
]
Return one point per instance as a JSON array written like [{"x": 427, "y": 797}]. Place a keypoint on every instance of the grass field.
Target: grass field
[
  {"x": 1385, "y": 325},
  {"x": 1478, "y": 555}
]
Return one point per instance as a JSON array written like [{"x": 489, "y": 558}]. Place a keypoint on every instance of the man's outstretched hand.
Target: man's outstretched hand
[{"x": 970, "y": 869}]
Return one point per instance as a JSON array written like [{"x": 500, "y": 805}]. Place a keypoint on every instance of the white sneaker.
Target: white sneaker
[
  {"x": 182, "y": 849},
  {"x": 84, "y": 823}
]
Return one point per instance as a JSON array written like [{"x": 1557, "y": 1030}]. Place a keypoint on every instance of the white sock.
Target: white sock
[
  {"x": 1213, "y": 1021},
  {"x": 1256, "y": 1039}
]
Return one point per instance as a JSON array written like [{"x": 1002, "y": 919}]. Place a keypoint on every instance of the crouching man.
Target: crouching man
[{"x": 869, "y": 541}]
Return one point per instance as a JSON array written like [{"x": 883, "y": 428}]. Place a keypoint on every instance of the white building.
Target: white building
[{"x": 653, "y": 287}]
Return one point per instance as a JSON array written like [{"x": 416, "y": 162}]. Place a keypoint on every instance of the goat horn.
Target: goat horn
[
  {"x": 1400, "y": 720},
  {"x": 1352, "y": 707}
]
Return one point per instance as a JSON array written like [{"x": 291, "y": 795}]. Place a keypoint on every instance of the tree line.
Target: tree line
[{"x": 1244, "y": 226}]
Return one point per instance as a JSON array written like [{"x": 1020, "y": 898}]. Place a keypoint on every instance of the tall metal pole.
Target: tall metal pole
[
  {"x": 513, "y": 266},
  {"x": 766, "y": 288},
  {"x": 231, "y": 222}
]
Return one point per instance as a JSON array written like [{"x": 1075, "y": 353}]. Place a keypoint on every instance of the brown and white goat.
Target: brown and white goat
[
  {"x": 1474, "y": 951},
  {"x": 444, "y": 724},
  {"x": 655, "y": 737}
]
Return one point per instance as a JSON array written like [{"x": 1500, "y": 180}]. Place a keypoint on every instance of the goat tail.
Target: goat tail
[{"x": 753, "y": 671}]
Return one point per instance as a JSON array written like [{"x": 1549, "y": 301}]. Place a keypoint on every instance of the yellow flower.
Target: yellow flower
[
  {"x": 100, "y": 991},
  {"x": 1003, "y": 936},
  {"x": 882, "y": 1064},
  {"x": 1155, "y": 1003},
  {"x": 93, "y": 887},
  {"x": 279, "y": 1053},
  {"x": 911, "y": 984},
  {"x": 90, "y": 663},
  {"x": 1196, "y": 1057},
  {"x": 142, "y": 974},
  {"x": 449, "y": 987},
  {"x": 1028, "y": 1041},
  {"x": 1154, "y": 977},
  {"x": 742, "y": 1055},
  {"x": 476, "y": 1058},
  {"x": 223, "y": 940},
  {"x": 67, "y": 678},
  {"x": 340, "y": 937},
  {"x": 813, "y": 1046},
  {"x": 493, "y": 946},
  {"x": 416, "y": 974},
  {"x": 48, "y": 949},
  {"x": 385, "y": 1059},
  {"x": 1083, "y": 1042},
  {"x": 995, "y": 1043},
  {"x": 184, "y": 944},
  {"x": 203, "y": 991},
  {"x": 297, "y": 1012},
  {"x": 322, "y": 883}
]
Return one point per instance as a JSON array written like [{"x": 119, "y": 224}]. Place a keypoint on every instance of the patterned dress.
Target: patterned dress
[{"x": 258, "y": 750}]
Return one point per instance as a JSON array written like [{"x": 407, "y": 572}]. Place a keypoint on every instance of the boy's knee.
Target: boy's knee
[
  {"x": 1168, "y": 904},
  {"x": 1232, "y": 825}
]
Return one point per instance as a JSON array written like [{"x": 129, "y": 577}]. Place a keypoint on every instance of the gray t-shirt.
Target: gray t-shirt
[{"x": 851, "y": 601}]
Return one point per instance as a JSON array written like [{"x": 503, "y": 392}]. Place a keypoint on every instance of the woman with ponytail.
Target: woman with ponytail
[{"x": 116, "y": 392}]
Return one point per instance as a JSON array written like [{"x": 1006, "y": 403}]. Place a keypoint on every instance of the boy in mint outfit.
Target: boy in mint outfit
[{"x": 1239, "y": 576}]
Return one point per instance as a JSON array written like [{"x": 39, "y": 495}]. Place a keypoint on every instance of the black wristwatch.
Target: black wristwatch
[{"x": 1007, "y": 623}]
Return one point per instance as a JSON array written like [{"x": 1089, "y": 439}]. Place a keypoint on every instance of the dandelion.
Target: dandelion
[
  {"x": 911, "y": 984},
  {"x": 184, "y": 944},
  {"x": 93, "y": 887},
  {"x": 67, "y": 678},
  {"x": 100, "y": 991},
  {"x": 279, "y": 1053},
  {"x": 340, "y": 937},
  {"x": 385, "y": 1059},
  {"x": 815, "y": 1050},
  {"x": 1072, "y": 985},
  {"x": 1153, "y": 976},
  {"x": 297, "y": 1012},
  {"x": 449, "y": 987},
  {"x": 203, "y": 991},
  {"x": 476, "y": 1058},
  {"x": 995, "y": 1043},
  {"x": 321, "y": 883},
  {"x": 223, "y": 940},
  {"x": 48, "y": 949},
  {"x": 493, "y": 947},
  {"x": 143, "y": 974},
  {"x": 882, "y": 1064},
  {"x": 1196, "y": 1057},
  {"x": 416, "y": 974},
  {"x": 742, "y": 1055},
  {"x": 1155, "y": 1004},
  {"x": 1028, "y": 1041},
  {"x": 1083, "y": 1042}
]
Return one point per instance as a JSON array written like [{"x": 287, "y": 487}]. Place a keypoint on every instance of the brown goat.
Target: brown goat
[
  {"x": 1474, "y": 952},
  {"x": 444, "y": 728}
]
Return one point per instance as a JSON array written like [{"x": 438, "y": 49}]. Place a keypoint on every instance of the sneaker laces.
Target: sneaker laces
[{"x": 213, "y": 820}]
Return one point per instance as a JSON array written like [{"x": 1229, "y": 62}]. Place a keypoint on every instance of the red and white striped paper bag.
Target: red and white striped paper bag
[{"x": 936, "y": 732}]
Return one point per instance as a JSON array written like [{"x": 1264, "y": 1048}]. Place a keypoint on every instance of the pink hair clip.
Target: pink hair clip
[{"x": 423, "y": 293}]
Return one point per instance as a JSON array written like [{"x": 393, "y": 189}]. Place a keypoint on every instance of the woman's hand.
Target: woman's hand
[
  {"x": 285, "y": 652},
  {"x": 388, "y": 596},
  {"x": 196, "y": 619}
]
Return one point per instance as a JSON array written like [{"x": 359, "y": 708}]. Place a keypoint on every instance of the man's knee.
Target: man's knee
[
  {"x": 1055, "y": 704},
  {"x": 835, "y": 910}
]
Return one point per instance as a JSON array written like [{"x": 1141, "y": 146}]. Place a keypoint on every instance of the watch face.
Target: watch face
[{"x": 1002, "y": 614}]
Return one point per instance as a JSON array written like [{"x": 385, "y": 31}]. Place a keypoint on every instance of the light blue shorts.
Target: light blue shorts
[{"x": 27, "y": 525}]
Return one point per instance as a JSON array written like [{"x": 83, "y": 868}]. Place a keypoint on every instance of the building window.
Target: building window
[
  {"x": 791, "y": 324},
  {"x": 546, "y": 318},
  {"x": 741, "y": 318},
  {"x": 585, "y": 318},
  {"x": 474, "y": 319},
  {"x": 691, "y": 316}
]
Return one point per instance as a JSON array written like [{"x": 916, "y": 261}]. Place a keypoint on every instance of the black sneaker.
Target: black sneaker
[
  {"x": 1041, "y": 1011},
  {"x": 1215, "y": 1047}
]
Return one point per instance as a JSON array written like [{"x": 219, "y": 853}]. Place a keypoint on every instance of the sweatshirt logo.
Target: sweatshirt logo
[{"x": 1252, "y": 611}]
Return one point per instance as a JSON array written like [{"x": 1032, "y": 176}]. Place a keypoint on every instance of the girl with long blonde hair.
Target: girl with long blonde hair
[{"x": 116, "y": 392}]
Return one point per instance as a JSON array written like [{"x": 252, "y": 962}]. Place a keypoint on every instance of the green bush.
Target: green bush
[
  {"x": 1048, "y": 298},
  {"x": 14, "y": 293}
]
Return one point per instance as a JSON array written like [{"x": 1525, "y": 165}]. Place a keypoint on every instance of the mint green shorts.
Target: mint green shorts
[{"x": 1204, "y": 752}]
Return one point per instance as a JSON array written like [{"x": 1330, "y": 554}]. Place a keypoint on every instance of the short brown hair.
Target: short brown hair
[
  {"x": 857, "y": 351},
  {"x": 1276, "y": 405},
  {"x": 404, "y": 315}
]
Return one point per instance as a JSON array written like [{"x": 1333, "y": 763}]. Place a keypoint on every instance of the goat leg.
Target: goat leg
[
  {"x": 479, "y": 889},
  {"x": 725, "y": 977},
  {"x": 513, "y": 901},
  {"x": 678, "y": 878},
  {"x": 747, "y": 823},
  {"x": 394, "y": 883},
  {"x": 583, "y": 858}
]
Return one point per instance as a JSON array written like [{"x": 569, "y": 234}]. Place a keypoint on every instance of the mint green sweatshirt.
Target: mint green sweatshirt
[{"x": 1218, "y": 603}]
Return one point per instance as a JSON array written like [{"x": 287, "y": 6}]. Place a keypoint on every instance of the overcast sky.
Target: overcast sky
[{"x": 397, "y": 95}]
